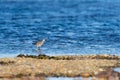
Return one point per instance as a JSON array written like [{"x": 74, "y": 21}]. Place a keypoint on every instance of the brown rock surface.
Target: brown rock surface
[{"x": 50, "y": 67}]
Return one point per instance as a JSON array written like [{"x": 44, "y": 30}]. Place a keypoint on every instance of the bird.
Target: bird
[{"x": 38, "y": 44}]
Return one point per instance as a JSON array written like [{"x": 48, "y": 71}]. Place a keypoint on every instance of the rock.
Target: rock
[{"x": 86, "y": 75}]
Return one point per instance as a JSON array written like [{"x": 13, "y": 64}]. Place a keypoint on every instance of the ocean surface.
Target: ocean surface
[{"x": 70, "y": 27}]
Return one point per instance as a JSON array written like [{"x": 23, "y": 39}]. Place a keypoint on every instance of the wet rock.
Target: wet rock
[
  {"x": 86, "y": 75},
  {"x": 109, "y": 74},
  {"x": 55, "y": 65}
]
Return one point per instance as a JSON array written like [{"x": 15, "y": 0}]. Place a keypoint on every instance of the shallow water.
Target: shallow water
[
  {"x": 69, "y": 26},
  {"x": 117, "y": 69},
  {"x": 55, "y": 78},
  {"x": 67, "y": 78}
]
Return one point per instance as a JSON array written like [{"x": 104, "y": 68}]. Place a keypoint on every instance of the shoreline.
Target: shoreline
[{"x": 57, "y": 66}]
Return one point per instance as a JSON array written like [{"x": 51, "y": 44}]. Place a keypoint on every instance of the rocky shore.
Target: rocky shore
[{"x": 68, "y": 66}]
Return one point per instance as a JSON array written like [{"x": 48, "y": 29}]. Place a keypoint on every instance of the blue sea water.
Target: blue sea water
[{"x": 69, "y": 26}]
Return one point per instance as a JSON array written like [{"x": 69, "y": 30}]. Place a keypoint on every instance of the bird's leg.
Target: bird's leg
[
  {"x": 40, "y": 50},
  {"x": 37, "y": 50}
]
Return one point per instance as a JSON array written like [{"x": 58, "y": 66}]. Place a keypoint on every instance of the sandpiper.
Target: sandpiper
[{"x": 39, "y": 44}]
